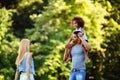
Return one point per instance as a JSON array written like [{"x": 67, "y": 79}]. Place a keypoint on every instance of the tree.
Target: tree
[
  {"x": 51, "y": 28},
  {"x": 8, "y": 45},
  {"x": 45, "y": 37}
]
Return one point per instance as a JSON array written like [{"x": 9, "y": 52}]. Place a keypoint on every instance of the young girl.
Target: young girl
[{"x": 24, "y": 62}]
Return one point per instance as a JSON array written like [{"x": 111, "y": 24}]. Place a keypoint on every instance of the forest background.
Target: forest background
[{"x": 47, "y": 23}]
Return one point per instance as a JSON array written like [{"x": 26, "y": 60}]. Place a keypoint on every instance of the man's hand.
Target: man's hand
[{"x": 68, "y": 45}]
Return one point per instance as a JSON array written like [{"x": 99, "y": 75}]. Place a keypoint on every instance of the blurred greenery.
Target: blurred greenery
[{"x": 47, "y": 23}]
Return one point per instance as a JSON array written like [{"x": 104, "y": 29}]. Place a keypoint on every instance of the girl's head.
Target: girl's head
[
  {"x": 78, "y": 22},
  {"x": 23, "y": 47}
]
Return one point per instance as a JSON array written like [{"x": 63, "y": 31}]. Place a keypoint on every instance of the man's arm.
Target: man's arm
[
  {"x": 84, "y": 43},
  {"x": 67, "y": 55}
]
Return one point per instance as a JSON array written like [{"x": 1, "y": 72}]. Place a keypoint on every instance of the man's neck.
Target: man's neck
[{"x": 78, "y": 42}]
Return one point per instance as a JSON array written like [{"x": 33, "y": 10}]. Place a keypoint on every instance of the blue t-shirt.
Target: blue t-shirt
[
  {"x": 22, "y": 66},
  {"x": 78, "y": 57}
]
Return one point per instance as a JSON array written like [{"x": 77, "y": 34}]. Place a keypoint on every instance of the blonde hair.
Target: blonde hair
[{"x": 23, "y": 47}]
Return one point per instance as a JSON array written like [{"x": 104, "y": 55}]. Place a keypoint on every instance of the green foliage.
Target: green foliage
[
  {"x": 4, "y": 22},
  {"x": 113, "y": 55},
  {"x": 9, "y": 4},
  {"x": 112, "y": 50},
  {"x": 53, "y": 68},
  {"x": 21, "y": 17},
  {"x": 48, "y": 33},
  {"x": 8, "y": 44}
]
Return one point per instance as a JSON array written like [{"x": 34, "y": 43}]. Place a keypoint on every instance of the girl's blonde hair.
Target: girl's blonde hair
[{"x": 23, "y": 47}]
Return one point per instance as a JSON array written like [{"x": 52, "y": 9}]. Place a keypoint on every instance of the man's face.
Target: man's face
[
  {"x": 75, "y": 24},
  {"x": 74, "y": 37}
]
